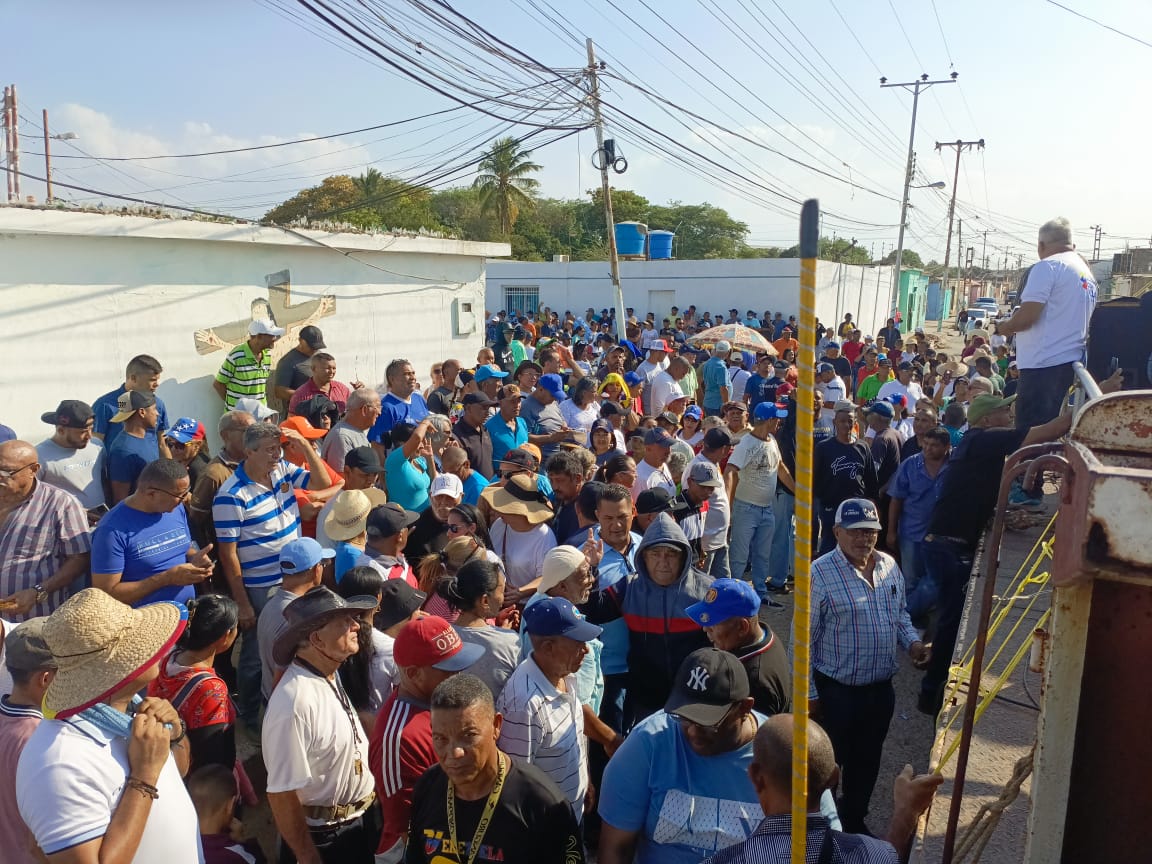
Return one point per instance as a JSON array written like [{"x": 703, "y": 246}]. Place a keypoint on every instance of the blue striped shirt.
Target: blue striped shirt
[
  {"x": 259, "y": 520},
  {"x": 857, "y": 626},
  {"x": 771, "y": 843}
]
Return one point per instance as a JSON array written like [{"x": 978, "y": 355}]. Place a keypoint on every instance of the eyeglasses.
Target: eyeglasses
[
  {"x": 8, "y": 475},
  {"x": 508, "y": 475},
  {"x": 179, "y": 497},
  {"x": 458, "y": 529}
]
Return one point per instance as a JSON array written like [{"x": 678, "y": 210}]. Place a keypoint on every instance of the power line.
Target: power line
[{"x": 1098, "y": 23}]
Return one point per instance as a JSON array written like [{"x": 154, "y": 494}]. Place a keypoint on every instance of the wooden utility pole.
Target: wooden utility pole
[
  {"x": 960, "y": 146},
  {"x": 12, "y": 143},
  {"x": 606, "y": 191}
]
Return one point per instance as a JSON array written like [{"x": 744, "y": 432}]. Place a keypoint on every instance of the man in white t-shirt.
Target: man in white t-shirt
[
  {"x": 1051, "y": 325},
  {"x": 831, "y": 387},
  {"x": 715, "y": 448},
  {"x": 656, "y": 361},
  {"x": 751, "y": 475},
  {"x": 737, "y": 376},
  {"x": 652, "y": 471},
  {"x": 70, "y": 459},
  {"x": 903, "y": 385},
  {"x": 319, "y": 787},
  {"x": 665, "y": 387}
]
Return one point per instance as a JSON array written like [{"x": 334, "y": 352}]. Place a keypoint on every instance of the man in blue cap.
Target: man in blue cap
[
  {"x": 540, "y": 411},
  {"x": 751, "y": 475},
  {"x": 489, "y": 379},
  {"x": 730, "y": 616},
  {"x": 543, "y": 719},
  {"x": 860, "y": 619}
]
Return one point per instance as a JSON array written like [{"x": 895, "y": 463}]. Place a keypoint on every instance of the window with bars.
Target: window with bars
[{"x": 522, "y": 298}]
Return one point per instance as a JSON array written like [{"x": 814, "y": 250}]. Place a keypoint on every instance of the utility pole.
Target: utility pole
[
  {"x": 606, "y": 190},
  {"x": 917, "y": 87},
  {"x": 959, "y": 245},
  {"x": 960, "y": 146},
  {"x": 48, "y": 161},
  {"x": 12, "y": 142},
  {"x": 1097, "y": 232},
  {"x": 984, "y": 251}
]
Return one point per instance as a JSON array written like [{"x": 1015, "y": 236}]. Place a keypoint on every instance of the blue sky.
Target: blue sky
[{"x": 1056, "y": 99}]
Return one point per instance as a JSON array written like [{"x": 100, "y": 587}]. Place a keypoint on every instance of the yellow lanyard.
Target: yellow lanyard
[{"x": 485, "y": 817}]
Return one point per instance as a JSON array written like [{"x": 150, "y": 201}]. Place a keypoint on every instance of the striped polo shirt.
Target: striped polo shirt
[
  {"x": 245, "y": 374},
  {"x": 545, "y": 728},
  {"x": 259, "y": 520}
]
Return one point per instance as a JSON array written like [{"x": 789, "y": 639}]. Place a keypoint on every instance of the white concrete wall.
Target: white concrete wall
[
  {"x": 713, "y": 285},
  {"x": 80, "y": 294}
]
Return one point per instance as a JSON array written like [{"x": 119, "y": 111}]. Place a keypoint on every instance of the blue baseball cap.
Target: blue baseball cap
[
  {"x": 768, "y": 411},
  {"x": 694, "y": 412},
  {"x": 555, "y": 616},
  {"x": 185, "y": 430},
  {"x": 302, "y": 554},
  {"x": 727, "y": 598},
  {"x": 554, "y": 384},
  {"x": 828, "y": 345},
  {"x": 484, "y": 373},
  {"x": 858, "y": 513},
  {"x": 881, "y": 407},
  {"x": 825, "y": 367},
  {"x": 632, "y": 379},
  {"x": 658, "y": 436}
]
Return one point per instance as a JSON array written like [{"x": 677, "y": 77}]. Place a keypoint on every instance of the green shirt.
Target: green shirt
[
  {"x": 870, "y": 387},
  {"x": 243, "y": 374},
  {"x": 690, "y": 383}
]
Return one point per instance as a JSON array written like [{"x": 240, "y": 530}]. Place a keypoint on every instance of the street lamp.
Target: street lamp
[{"x": 939, "y": 184}]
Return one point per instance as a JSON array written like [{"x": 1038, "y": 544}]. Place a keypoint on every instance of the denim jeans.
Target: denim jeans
[
  {"x": 248, "y": 670},
  {"x": 716, "y": 563},
  {"x": 783, "y": 539},
  {"x": 911, "y": 564},
  {"x": 827, "y": 523},
  {"x": 948, "y": 565},
  {"x": 751, "y": 543}
]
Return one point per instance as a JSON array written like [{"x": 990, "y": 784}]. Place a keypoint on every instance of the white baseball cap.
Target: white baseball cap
[
  {"x": 446, "y": 484},
  {"x": 264, "y": 327}
]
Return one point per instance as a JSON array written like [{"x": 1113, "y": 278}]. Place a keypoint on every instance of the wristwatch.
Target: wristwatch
[{"x": 41, "y": 594}]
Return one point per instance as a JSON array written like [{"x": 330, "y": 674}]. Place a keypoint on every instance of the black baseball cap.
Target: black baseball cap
[
  {"x": 398, "y": 600},
  {"x": 653, "y": 501},
  {"x": 714, "y": 439},
  {"x": 707, "y": 684},
  {"x": 312, "y": 335},
  {"x": 477, "y": 399},
  {"x": 521, "y": 459},
  {"x": 608, "y": 408},
  {"x": 389, "y": 519},
  {"x": 365, "y": 459},
  {"x": 71, "y": 412}
]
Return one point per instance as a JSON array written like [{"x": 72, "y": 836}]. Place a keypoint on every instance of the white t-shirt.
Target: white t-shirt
[
  {"x": 74, "y": 471},
  {"x": 831, "y": 391},
  {"x": 383, "y": 672},
  {"x": 581, "y": 419},
  {"x": 913, "y": 392},
  {"x": 521, "y": 551},
  {"x": 737, "y": 380},
  {"x": 68, "y": 785},
  {"x": 1064, "y": 284},
  {"x": 719, "y": 515},
  {"x": 757, "y": 460},
  {"x": 310, "y": 742},
  {"x": 662, "y": 389},
  {"x": 650, "y": 477}
]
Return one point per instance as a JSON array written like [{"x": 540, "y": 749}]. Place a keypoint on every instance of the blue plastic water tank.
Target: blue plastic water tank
[
  {"x": 660, "y": 244},
  {"x": 630, "y": 238}
]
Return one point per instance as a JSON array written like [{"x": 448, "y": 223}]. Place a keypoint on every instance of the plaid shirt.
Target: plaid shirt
[
  {"x": 857, "y": 626},
  {"x": 771, "y": 843},
  {"x": 44, "y": 529}
]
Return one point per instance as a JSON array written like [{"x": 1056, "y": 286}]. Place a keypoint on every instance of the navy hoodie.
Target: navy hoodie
[{"x": 660, "y": 633}]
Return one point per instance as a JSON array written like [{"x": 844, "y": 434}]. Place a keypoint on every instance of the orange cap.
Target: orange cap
[{"x": 301, "y": 425}]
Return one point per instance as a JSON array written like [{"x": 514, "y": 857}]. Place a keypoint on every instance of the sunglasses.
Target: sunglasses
[{"x": 459, "y": 529}]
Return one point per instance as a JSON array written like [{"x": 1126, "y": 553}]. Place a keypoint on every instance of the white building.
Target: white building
[
  {"x": 714, "y": 285},
  {"x": 82, "y": 293}
]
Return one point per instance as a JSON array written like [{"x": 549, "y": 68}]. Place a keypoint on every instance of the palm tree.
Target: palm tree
[
  {"x": 368, "y": 184},
  {"x": 504, "y": 182}
]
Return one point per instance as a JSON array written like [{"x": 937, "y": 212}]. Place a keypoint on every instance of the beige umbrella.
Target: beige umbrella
[{"x": 736, "y": 335}]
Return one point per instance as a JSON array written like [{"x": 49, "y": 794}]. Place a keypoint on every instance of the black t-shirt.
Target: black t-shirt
[
  {"x": 532, "y": 822},
  {"x": 440, "y": 401},
  {"x": 843, "y": 471},
  {"x": 428, "y": 536},
  {"x": 968, "y": 494},
  {"x": 841, "y": 364},
  {"x": 769, "y": 673},
  {"x": 477, "y": 443},
  {"x": 292, "y": 371},
  {"x": 910, "y": 448},
  {"x": 886, "y": 454},
  {"x": 786, "y": 440}
]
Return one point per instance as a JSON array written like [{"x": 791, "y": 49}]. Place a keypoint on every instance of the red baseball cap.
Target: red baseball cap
[{"x": 432, "y": 641}]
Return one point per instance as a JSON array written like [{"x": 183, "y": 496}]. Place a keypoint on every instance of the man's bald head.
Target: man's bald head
[
  {"x": 772, "y": 756},
  {"x": 19, "y": 463},
  {"x": 17, "y": 451}
]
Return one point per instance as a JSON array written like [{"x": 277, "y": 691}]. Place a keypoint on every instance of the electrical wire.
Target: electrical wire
[{"x": 1099, "y": 23}]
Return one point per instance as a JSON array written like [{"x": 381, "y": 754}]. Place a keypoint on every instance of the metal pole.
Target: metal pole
[
  {"x": 801, "y": 615},
  {"x": 606, "y": 191},
  {"x": 48, "y": 161}
]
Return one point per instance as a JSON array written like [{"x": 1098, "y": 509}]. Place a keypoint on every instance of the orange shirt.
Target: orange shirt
[{"x": 783, "y": 344}]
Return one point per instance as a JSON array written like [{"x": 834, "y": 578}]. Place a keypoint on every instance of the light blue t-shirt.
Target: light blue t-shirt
[
  {"x": 503, "y": 438},
  {"x": 473, "y": 486},
  {"x": 407, "y": 484},
  {"x": 137, "y": 545},
  {"x": 714, "y": 375}
]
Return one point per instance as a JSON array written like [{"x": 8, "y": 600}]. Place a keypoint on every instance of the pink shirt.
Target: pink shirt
[
  {"x": 17, "y": 723},
  {"x": 337, "y": 392}
]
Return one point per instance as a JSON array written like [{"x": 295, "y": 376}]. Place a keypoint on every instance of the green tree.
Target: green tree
[
  {"x": 702, "y": 230},
  {"x": 333, "y": 193},
  {"x": 839, "y": 250},
  {"x": 759, "y": 252},
  {"x": 505, "y": 182},
  {"x": 908, "y": 259}
]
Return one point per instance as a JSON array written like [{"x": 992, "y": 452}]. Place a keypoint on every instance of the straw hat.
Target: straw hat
[
  {"x": 520, "y": 497},
  {"x": 348, "y": 516},
  {"x": 101, "y": 644},
  {"x": 956, "y": 370}
]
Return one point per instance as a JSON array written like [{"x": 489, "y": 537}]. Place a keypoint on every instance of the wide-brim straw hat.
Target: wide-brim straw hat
[
  {"x": 101, "y": 644},
  {"x": 520, "y": 497},
  {"x": 349, "y": 515},
  {"x": 955, "y": 369}
]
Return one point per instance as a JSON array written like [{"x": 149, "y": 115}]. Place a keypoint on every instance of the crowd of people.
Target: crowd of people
[{"x": 516, "y": 615}]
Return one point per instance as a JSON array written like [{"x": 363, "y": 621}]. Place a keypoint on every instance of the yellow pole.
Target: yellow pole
[{"x": 806, "y": 365}]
